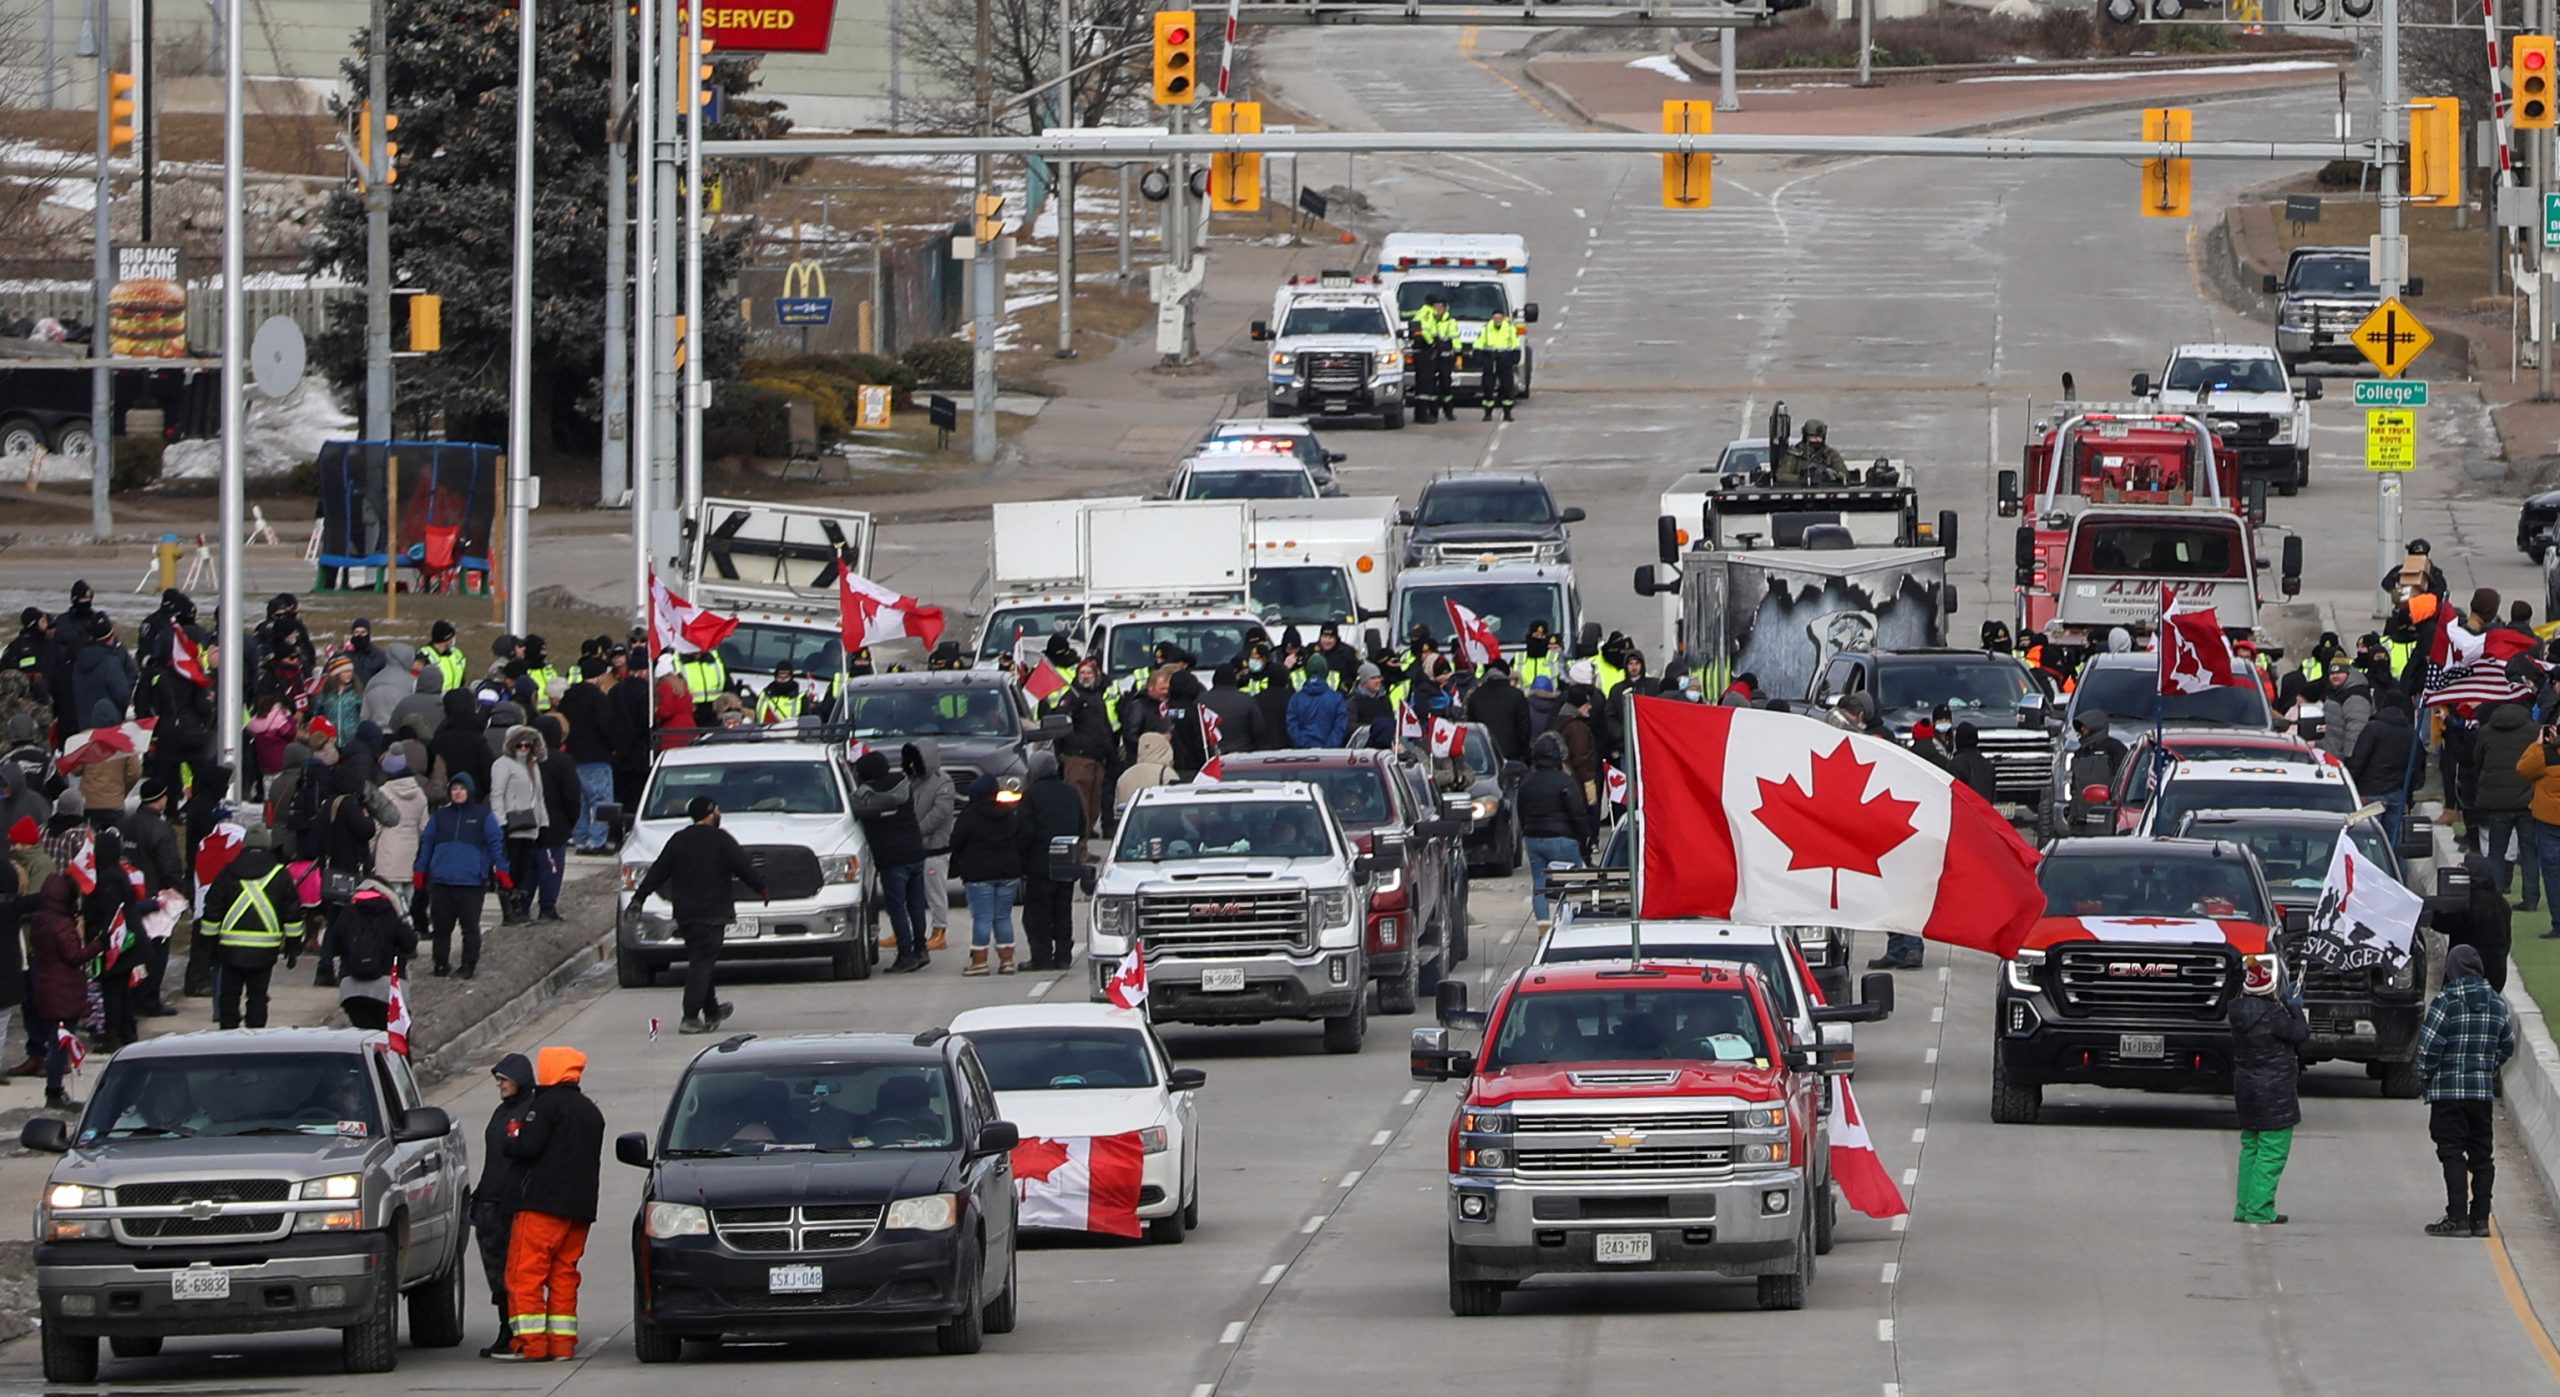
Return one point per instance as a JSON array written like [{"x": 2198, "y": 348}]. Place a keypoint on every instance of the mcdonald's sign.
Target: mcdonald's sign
[{"x": 804, "y": 299}]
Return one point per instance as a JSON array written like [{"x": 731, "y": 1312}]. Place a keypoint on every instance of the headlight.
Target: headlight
[
  {"x": 632, "y": 873},
  {"x": 75, "y": 1196},
  {"x": 1487, "y": 1122},
  {"x": 1151, "y": 1139},
  {"x": 2405, "y": 976},
  {"x": 334, "y": 1186},
  {"x": 935, "y": 1212},
  {"x": 1774, "y": 1153},
  {"x": 1484, "y": 1159},
  {"x": 841, "y": 869},
  {"x": 1332, "y": 906},
  {"x": 1761, "y": 1118},
  {"x": 348, "y": 1220},
  {"x": 679, "y": 1220},
  {"x": 1279, "y": 360},
  {"x": 1111, "y": 915},
  {"x": 2294, "y": 319},
  {"x": 1812, "y": 935},
  {"x": 1389, "y": 363},
  {"x": 1485, "y": 807},
  {"x": 2022, "y": 971}
]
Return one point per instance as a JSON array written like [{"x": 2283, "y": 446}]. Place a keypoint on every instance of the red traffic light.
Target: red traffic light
[
  {"x": 1177, "y": 35},
  {"x": 2534, "y": 59}
]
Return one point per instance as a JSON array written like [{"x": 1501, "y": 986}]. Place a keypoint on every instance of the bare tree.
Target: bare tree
[{"x": 942, "y": 36}]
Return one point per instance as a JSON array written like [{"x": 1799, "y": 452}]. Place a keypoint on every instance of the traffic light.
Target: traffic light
[
  {"x": 1177, "y": 58},
  {"x": 364, "y": 146},
  {"x": 1688, "y": 177},
  {"x": 426, "y": 323},
  {"x": 2529, "y": 60},
  {"x": 702, "y": 89},
  {"x": 2166, "y": 184},
  {"x": 989, "y": 224},
  {"x": 2435, "y": 151},
  {"x": 1235, "y": 179},
  {"x": 120, "y": 113},
  {"x": 680, "y": 326}
]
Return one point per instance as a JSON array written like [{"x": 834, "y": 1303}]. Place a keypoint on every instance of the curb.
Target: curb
[
  {"x": 1688, "y": 55},
  {"x": 470, "y": 1044}
]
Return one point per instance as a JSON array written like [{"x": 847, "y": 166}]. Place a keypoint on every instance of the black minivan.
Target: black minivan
[{"x": 802, "y": 1187}]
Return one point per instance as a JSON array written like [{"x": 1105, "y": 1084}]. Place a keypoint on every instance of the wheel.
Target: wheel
[
  {"x": 651, "y": 1344},
  {"x": 69, "y": 1358},
  {"x": 2288, "y": 488},
  {"x": 1402, "y": 994},
  {"x": 2400, "y": 1081},
  {"x": 1170, "y": 1229},
  {"x": 135, "y": 1345},
  {"x": 1528, "y": 371},
  {"x": 851, "y": 961},
  {"x": 1427, "y": 983},
  {"x": 1826, "y": 1219},
  {"x": 966, "y": 1331},
  {"x": 999, "y": 1315},
  {"x": 1788, "y": 1291},
  {"x": 1470, "y": 1298},
  {"x": 1392, "y": 419},
  {"x": 435, "y": 1309},
  {"x": 20, "y": 436},
  {"x": 1191, "y": 1210},
  {"x": 2301, "y": 471},
  {"x": 373, "y": 1346},
  {"x": 1459, "y": 946},
  {"x": 74, "y": 440},
  {"x": 631, "y": 972},
  {"x": 1343, "y": 1033},
  {"x": 2012, "y": 1104}
]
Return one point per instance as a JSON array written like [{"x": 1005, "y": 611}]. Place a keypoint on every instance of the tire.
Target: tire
[
  {"x": 374, "y": 1345},
  {"x": 1459, "y": 946},
  {"x": 2012, "y": 1103},
  {"x": 1401, "y": 995},
  {"x": 1001, "y": 1313},
  {"x": 2301, "y": 471},
  {"x": 965, "y": 1332},
  {"x": 2287, "y": 489},
  {"x": 631, "y": 972},
  {"x": 74, "y": 439},
  {"x": 1392, "y": 419},
  {"x": 1426, "y": 983},
  {"x": 1826, "y": 1219},
  {"x": 1191, "y": 1210},
  {"x": 135, "y": 1345},
  {"x": 2400, "y": 1081},
  {"x": 851, "y": 961},
  {"x": 651, "y": 1344},
  {"x": 69, "y": 1358},
  {"x": 1345, "y": 1032},
  {"x": 1170, "y": 1229},
  {"x": 20, "y": 436},
  {"x": 1470, "y": 1298},
  {"x": 435, "y": 1309},
  {"x": 1789, "y": 1291}
]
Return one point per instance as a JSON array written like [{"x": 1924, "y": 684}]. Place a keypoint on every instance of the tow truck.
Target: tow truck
[{"x": 1631, "y": 1116}]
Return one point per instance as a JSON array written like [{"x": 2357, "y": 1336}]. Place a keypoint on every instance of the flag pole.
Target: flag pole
[
  {"x": 844, "y": 655},
  {"x": 1635, "y": 838}
]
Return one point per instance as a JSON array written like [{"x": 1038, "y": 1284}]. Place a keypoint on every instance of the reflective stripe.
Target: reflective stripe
[
  {"x": 778, "y": 708},
  {"x": 564, "y": 1324},
  {"x": 521, "y": 1325},
  {"x": 705, "y": 674},
  {"x": 450, "y": 664},
  {"x": 253, "y": 896}
]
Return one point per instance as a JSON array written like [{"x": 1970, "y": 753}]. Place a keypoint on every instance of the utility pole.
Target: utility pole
[
  {"x": 1866, "y": 41},
  {"x": 648, "y": 498},
  {"x": 667, "y": 438},
  {"x": 378, "y": 384},
  {"x": 520, "y": 340},
  {"x": 233, "y": 656},
  {"x": 697, "y": 325},
  {"x": 982, "y": 271},
  {"x": 615, "y": 472},
  {"x": 2543, "y": 148},
  {"x": 2388, "y": 139},
  {"x": 102, "y": 385},
  {"x": 1728, "y": 99},
  {"x": 146, "y": 96},
  {"x": 1066, "y": 192}
]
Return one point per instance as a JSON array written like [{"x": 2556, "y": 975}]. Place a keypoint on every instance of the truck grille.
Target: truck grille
[
  {"x": 1224, "y": 923},
  {"x": 2171, "y": 984},
  {"x": 1334, "y": 368},
  {"x": 2248, "y": 429},
  {"x": 1584, "y": 1162},
  {"x": 2021, "y": 759},
  {"x": 790, "y": 871},
  {"x": 1647, "y": 1122},
  {"x": 179, "y": 1193},
  {"x": 199, "y": 1229},
  {"x": 813, "y": 1227},
  {"x": 1520, "y": 550}
]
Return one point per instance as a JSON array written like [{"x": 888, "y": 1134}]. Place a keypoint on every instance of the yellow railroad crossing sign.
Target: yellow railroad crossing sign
[
  {"x": 2390, "y": 439},
  {"x": 2391, "y": 338}
]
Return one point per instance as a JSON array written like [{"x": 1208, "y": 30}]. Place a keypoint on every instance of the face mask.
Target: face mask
[
  {"x": 1688, "y": 685},
  {"x": 1537, "y": 646},
  {"x": 1257, "y": 666}
]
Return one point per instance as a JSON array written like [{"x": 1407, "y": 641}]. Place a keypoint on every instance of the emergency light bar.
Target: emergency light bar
[{"x": 1499, "y": 264}]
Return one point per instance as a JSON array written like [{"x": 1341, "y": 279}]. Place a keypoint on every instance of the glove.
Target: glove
[
  {"x": 418, "y": 881},
  {"x": 506, "y": 881}
]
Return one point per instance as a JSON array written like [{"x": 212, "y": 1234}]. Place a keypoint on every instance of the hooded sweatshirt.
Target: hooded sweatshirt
[
  {"x": 459, "y": 746},
  {"x": 1319, "y": 716},
  {"x": 515, "y": 790},
  {"x": 462, "y": 846},
  {"x": 2504, "y": 736},
  {"x": 887, "y": 811},
  {"x": 558, "y": 1145},
  {"x": 1154, "y": 767},
  {"x": 421, "y": 709},
  {"x": 993, "y": 841},
  {"x": 937, "y": 804},
  {"x": 2349, "y": 708},
  {"x": 389, "y": 687},
  {"x": 494, "y": 1197}
]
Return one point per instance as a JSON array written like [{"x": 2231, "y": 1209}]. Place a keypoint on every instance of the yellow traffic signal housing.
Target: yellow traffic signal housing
[
  {"x": 1688, "y": 177},
  {"x": 2529, "y": 63},
  {"x": 1235, "y": 178},
  {"x": 2167, "y": 185},
  {"x": 120, "y": 113},
  {"x": 1177, "y": 67},
  {"x": 364, "y": 146},
  {"x": 426, "y": 323},
  {"x": 2435, "y": 151},
  {"x": 989, "y": 223},
  {"x": 680, "y": 341},
  {"x": 702, "y": 77}
]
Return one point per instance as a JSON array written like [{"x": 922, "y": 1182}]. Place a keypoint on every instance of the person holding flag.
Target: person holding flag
[
  {"x": 111, "y": 912},
  {"x": 58, "y": 954}
]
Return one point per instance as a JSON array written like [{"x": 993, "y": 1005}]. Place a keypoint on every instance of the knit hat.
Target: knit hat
[
  {"x": 1316, "y": 667},
  {"x": 71, "y": 802},
  {"x": 1369, "y": 671},
  {"x": 700, "y": 807},
  {"x": 26, "y": 831},
  {"x": 440, "y": 632},
  {"x": 1543, "y": 684},
  {"x": 30, "y": 616},
  {"x": 149, "y": 789},
  {"x": 2464, "y": 964},
  {"x": 2259, "y": 975}
]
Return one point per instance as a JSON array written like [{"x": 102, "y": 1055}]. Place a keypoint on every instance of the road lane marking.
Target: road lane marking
[
  {"x": 1931, "y": 1057},
  {"x": 1928, "y": 1095},
  {"x": 1467, "y": 51},
  {"x": 1272, "y": 1276},
  {"x": 1580, "y": 214},
  {"x": 1232, "y": 1333},
  {"x": 1042, "y": 988},
  {"x": 1892, "y": 1272},
  {"x": 1412, "y": 1095},
  {"x": 1313, "y": 1224},
  {"x": 1902, "y": 1222},
  {"x": 1210, "y": 1389},
  {"x": 1350, "y": 1180},
  {"x": 1911, "y": 1176},
  {"x": 2518, "y": 1301},
  {"x": 1884, "y": 1330},
  {"x": 1920, "y": 1135},
  {"x": 1380, "y": 1140},
  {"x": 1937, "y": 1013},
  {"x": 1945, "y": 970}
]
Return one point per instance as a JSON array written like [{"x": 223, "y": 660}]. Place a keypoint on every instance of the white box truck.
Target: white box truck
[{"x": 1323, "y": 560}]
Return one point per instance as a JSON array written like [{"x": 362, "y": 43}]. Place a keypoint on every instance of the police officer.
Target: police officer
[
  {"x": 1499, "y": 342},
  {"x": 1811, "y": 461},
  {"x": 1435, "y": 341},
  {"x": 250, "y": 906}
]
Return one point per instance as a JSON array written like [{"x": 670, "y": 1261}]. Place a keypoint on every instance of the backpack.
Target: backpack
[
  {"x": 368, "y": 949},
  {"x": 304, "y": 811}
]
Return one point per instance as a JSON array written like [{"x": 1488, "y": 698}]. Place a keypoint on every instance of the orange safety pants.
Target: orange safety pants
[{"x": 542, "y": 1284}]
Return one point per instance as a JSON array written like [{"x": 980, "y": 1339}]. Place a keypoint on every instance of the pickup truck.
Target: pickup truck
[{"x": 250, "y": 1182}]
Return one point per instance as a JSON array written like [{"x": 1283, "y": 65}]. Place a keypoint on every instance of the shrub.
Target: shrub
[
  {"x": 2342, "y": 174},
  {"x": 136, "y": 464},
  {"x": 753, "y": 417},
  {"x": 2192, "y": 38},
  {"x": 941, "y": 363},
  {"x": 818, "y": 391},
  {"x": 730, "y": 443}
]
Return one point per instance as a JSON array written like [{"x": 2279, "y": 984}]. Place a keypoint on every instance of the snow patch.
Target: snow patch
[
  {"x": 1664, "y": 64},
  {"x": 283, "y": 433},
  {"x": 2289, "y": 65}
]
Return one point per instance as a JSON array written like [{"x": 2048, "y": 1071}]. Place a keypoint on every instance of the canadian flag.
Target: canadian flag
[
  {"x": 1080, "y": 1183},
  {"x": 676, "y": 624},
  {"x": 1408, "y": 723},
  {"x": 399, "y": 1015},
  {"x": 1865, "y": 1184},
  {"x": 1211, "y": 772},
  {"x": 1771, "y": 818},
  {"x": 1444, "y": 737},
  {"x": 71, "y": 1046},
  {"x": 1127, "y": 987},
  {"x": 873, "y": 613},
  {"x": 1211, "y": 730},
  {"x": 105, "y": 744},
  {"x": 186, "y": 659},
  {"x": 221, "y": 845},
  {"x": 83, "y": 868},
  {"x": 1613, "y": 784},
  {"x": 2194, "y": 653},
  {"x": 1477, "y": 644},
  {"x": 855, "y": 749}
]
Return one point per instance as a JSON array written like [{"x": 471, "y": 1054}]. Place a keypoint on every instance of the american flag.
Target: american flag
[{"x": 2475, "y": 685}]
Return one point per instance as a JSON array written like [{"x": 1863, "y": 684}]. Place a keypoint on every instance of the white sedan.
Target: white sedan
[{"x": 1092, "y": 1073}]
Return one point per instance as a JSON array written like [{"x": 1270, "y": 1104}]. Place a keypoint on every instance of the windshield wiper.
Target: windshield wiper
[
  {"x": 699, "y": 1154},
  {"x": 166, "y": 1132}
]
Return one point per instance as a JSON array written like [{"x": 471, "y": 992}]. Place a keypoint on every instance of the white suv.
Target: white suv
[{"x": 2188, "y": 787}]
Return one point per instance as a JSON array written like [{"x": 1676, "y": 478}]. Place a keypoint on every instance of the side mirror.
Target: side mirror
[
  {"x": 1065, "y": 863},
  {"x": 1947, "y": 531},
  {"x": 1529, "y": 314},
  {"x": 1438, "y": 829},
  {"x": 2417, "y": 837},
  {"x": 425, "y": 1123},
  {"x": 45, "y": 1135},
  {"x": 1572, "y": 515},
  {"x": 2292, "y": 564},
  {"x": 996, "y": 1137},
  {"x": 1260, "y": 331},
  {"x": 2026, "y": 554},
  {"x": 1831, "y": 1059},
  {"x": 2142, "y": 385},
  {"x": 1405, "y": 517},
  {"x": 2297, "y": 921},
  {"x": 2272, "y": 286},
  {"x": 2010, "y": 501},
  {"x": 1186, "y": 1079},
  {"x": 1435, "y": 1061},
  {"x": 2311, "y": 390},
  {"x": 1335, "y": 458},
  {"x": 632, "y": 1148},
  {"x": 1877, "y": 990},
  {"x": 1449, "y": 1004},
  {"x": 1666, "y": 539},
  {"x": 1876, "y": 1004},
  {"x": 1388, "y": 856},
  {"x": 1362, "y": 870},
  {"x": 1645, "y": 582},
  {"x": 1514, "y": 771}
]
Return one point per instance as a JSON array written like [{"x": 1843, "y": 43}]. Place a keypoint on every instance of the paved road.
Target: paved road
[{"x": 1918, "y": 308}]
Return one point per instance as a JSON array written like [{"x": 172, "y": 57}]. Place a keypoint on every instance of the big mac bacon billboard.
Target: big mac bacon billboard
[{"x": 770, "y": 26}]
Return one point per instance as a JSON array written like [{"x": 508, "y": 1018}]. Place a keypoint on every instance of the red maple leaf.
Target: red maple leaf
[
  {"x": 1038, "y": 1158},
  {"x": 1834, "y": 823}
]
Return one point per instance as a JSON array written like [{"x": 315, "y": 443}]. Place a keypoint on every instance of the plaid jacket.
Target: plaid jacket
[{"x": 2467, "y": 1037}]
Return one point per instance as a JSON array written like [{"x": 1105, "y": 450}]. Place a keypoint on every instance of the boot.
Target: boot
[
  {"x": 1488, "y": 412},
  {"x": 977, "y": 963},
  {"x": 934, "y": 942},
  {"x": 1506, "y": 412},
  {"x": 56, "y": 1101},
  {"x": 2480, "y": 1224},
  {"x": 2450, "y": 1225},
  {"x": 1004, "y": 960},
  {"x": 904, "y": 963}
]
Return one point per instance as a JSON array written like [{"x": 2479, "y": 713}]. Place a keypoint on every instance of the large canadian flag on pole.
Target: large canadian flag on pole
[
  {"x": 1082, "y": 1183},
  {"x": 676, "y": 624},
  {"x": 873, "y": 613},
  {"x": 1477, "y": 644},
  {"x": 1751, "y": 816},
  {"x": 2194, "y": 653},
  {"x": 1865, "y": 1184}
]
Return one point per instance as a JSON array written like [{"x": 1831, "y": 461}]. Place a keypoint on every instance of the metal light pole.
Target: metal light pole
[
  {"x": 982, "y": 271},
  {"x": 1066, "y": 192},
  {"x": 1728, "y": 99},
  {"x": 378, "y": 387},
  {"x": 666, "y": 439},
  {"x": 695, "y": 336},
  {"x": 615, "y": 467},
  {"x": 639, "y": 397},
  {"x": 235, "y": 418},
  {"x": 2394, "y": 250},
  {"x": 102, "y": 386},
  {"x": 520, "y": 341},
  {"x": 1866, "y": 41}
]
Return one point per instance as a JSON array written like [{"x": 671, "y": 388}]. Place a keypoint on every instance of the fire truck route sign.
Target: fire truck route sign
[{"x": 2390, "y": 439}]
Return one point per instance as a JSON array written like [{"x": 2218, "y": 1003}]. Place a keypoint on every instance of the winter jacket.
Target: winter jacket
[
  {"x": 699, "y": 870},
  {"x": 103, "y": 783},
  {"x": 2468, "y": 1035},
  {"x": 2541, "y": 766},
  {"x": 588, "y": 711},
  {"x": 103, "y": 674},
  {"x": 420, "y": 711},
  {"x": 19, "y": 800},
  {"x": 462, "y": 846},
  {"x": 558, "y": 1144},
  {"x": 342, "y": 705},
  {"x": 993, "y": 842},
  {"x": 384, "y": 691},
  {"x": 629, "y": 701},
  {"x": 185, "y": 711},
  {"x": 515, "y": 785},
  {"x": 1088, "y": 725},
  {"x": 2380, "y": 762},
  {"x": 2266, "y": 1061},
  {"x": 2344, "y": 716},
  {"x": 15, "y": 905},
  {"x": 505, "y": 716},
  {"x": 494, "y": 1197},
  {"x": 1052, "y": 808},
  {"x": 563, "y": 795},
  {"x": 151, "y": 846},
  {"x": 1154, "y": 767},
  {"x": 60, "y": 950},
  {"x": 1319, "y": 716},
  {"x": 1272, "y": 701},
  {"x": 1550, "y": 801},
  {"x": 673, "y": 711},
  {"x": 458, "y": 747},
  {"x": 380, "y": 918},
  {"x": 1504, "y": 710},
  {"x": 395, "y": 841},
  {"x": 2500, "y": 785},
  {"x": 1239, "y": 720},
  {"x": 888, "y": 815},
  {"x": 1581, "y": 747},
  {"x": 937, "y": 804},
  {"x": 270, "y": 734}
]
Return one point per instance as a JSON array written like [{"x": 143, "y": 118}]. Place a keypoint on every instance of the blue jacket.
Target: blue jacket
[
  {"x": 1319, "y": 716},
  {"x": 462, "y": 845}
]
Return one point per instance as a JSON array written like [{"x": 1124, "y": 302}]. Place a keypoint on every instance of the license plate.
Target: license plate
[
  {"x": 1623, "y": 1248},
  {"x": 797, "y": 1280},
  {"x": 1222, "y": 979},
  {"x": 2141, "y": 1045},
  {"x": 743, "y": 929},
  {"x": 199, "y": 1283}
]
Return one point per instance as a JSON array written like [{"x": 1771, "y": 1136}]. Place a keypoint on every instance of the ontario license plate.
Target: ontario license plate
[
  {"x": 2141, "y": 1045},
  {"x": 200, "y": 1283},
  {"x": 743, "y": 929},
  {"x": 796, "y": 1280},
  {"x": 1222, "y": 979},
  {"x": 1623, "y": 1248}
]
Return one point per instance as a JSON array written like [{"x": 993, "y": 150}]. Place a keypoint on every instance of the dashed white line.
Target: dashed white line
[
  {"x": 1210, "y": 1389},
  {"x": 1272, "y": 1276},
  {"x": 1892, "y": 1272},
  {"x": 1945, "y": 970},
  {"x": 1902, "y": 1222},
  {"x": 1381, "y": 1139},
  {"x": 1234, "y": 1332},
  {"x": 1931, "y": 1057},
  {"x": 1580, "y": 214},
  {"x": 1313, "y": 1225},
  {"x": 1937, "y": 1013},
  {"x": 1042, "y": 988},
  {"x": 1910, "y": 1176},
  {"x": 1884, "y": 1330},
  {"x": 1412, "y": 1095},
  {"x": 1891, "y": 1389},
  {"x": 1351, "y": 1180},
  {"x": 1920, "y": 1135},
  {"x": 1927, "y": 1095}
]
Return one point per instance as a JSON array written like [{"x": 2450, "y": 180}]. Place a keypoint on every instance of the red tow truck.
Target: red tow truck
[{"x": 1632, "y": 1116}]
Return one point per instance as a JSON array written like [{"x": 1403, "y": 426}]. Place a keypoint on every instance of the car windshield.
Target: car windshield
[
  {"x": 972, "y": 711},
  {"x": 1961, "y": 687},
  {"x": 799, "y": 786},
  {"x": 797, "y": 1108},
  {"x": 2158, "y": 550},
  {"x": 2224, "y": 376},
  {"x": 1204, "y": 484},
  {"x": 1358, "y": 794},
  {"x": 233, "y": 1094},
  {"x": 1366, "y": 320},
  {"x": 756, "y": 648},
  {"x": 2332, "y": 276},
  {"x": 1303, "y": 594},
  {"x": 1478, "y": 751},
  {"x": 2128, "y": 690},
  {"x": 1007, "y": 627},
  {"x": 2294, "y": 859},
  {"x": 1665, "y": 944},
  {"x": 2139, "y": 765},
  {"x": 2134, "y": 884},
  {"x": 2182, "y": 797},
  {"x": 1170, "y": 831},
  {"x": 1509, "y": 607},
  {"x": 1690, "y": 1023},
  {"x": 1133, "y": 644},
  {"x": 1521, "y": 504},
  {"x": 1064, "y": 1059},
  {"x": 1742, "y": 460},
  {"x": 1468, "y": 300}
]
